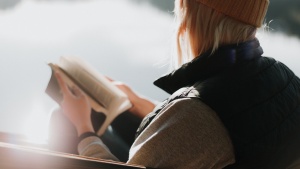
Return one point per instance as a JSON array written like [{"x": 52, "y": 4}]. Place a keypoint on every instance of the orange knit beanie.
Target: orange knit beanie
[{"x": 248, "y": 11}]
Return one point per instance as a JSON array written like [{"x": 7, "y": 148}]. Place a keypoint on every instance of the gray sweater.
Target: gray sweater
[{"x": 186, "y": 134}]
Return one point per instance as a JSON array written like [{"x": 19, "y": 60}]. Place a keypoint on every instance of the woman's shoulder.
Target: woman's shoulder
[
  {"x": 189, "y": 107},
  {"x": 185, "y": 128},
  {"x": 188, "y": 117}
]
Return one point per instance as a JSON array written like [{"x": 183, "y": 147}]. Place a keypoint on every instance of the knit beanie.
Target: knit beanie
[{"x": 251, "y": 12}]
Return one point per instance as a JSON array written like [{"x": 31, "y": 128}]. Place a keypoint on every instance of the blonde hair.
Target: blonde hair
[{"x": 201, "y": 28}]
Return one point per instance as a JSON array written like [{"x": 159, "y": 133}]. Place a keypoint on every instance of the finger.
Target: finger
[
  {"x": 62, "y": 84},
  {"x": 109, "y": 79},
  {"x": 76, "y": 91},
  {"x": 116, "y": 83}
]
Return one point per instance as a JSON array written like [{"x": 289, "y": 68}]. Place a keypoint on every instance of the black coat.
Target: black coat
[{"x": 256, "y": 97}]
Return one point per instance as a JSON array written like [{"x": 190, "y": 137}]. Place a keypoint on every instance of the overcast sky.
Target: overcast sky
[{"x": 122, "y": 39}]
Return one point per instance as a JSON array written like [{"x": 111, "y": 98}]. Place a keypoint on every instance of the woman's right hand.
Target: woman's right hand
[{"x": 141, "y": 106}]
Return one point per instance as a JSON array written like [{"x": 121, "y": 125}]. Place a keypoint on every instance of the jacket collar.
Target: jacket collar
[{"x": 208, "y": 64}]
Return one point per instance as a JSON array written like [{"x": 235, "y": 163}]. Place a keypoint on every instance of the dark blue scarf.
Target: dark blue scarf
[{"x": 209, "y": 64}]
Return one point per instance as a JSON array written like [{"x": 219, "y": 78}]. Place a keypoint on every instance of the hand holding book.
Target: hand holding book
[
  {"x": 76, "y": 107},
  {"x": 141, "y": 106},
  {"x": 104, "y": 95}
]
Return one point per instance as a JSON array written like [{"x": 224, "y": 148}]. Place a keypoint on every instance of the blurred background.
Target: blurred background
[{"x": 128, "y": 40}]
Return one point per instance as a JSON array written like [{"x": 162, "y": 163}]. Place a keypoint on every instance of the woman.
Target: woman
[{"x": 229, "y": 106}]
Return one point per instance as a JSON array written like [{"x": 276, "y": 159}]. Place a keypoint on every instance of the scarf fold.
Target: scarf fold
[{"x": 208, "y": 64}]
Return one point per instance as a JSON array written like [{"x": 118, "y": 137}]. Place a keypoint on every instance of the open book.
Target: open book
[{"x": 104, "y": 96}]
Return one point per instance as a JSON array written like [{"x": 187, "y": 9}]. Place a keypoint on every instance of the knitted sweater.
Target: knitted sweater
[{"x": 185, "y": 134}]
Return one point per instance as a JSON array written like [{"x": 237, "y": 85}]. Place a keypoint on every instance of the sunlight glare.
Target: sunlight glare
[{"x": 36, "y": 125}]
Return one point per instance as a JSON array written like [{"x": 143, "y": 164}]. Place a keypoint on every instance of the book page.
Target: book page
[
  {"x": 53, "y": 89},
  {"x": 98, "y": 90},
  {"x": 101, "y": 89}
]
